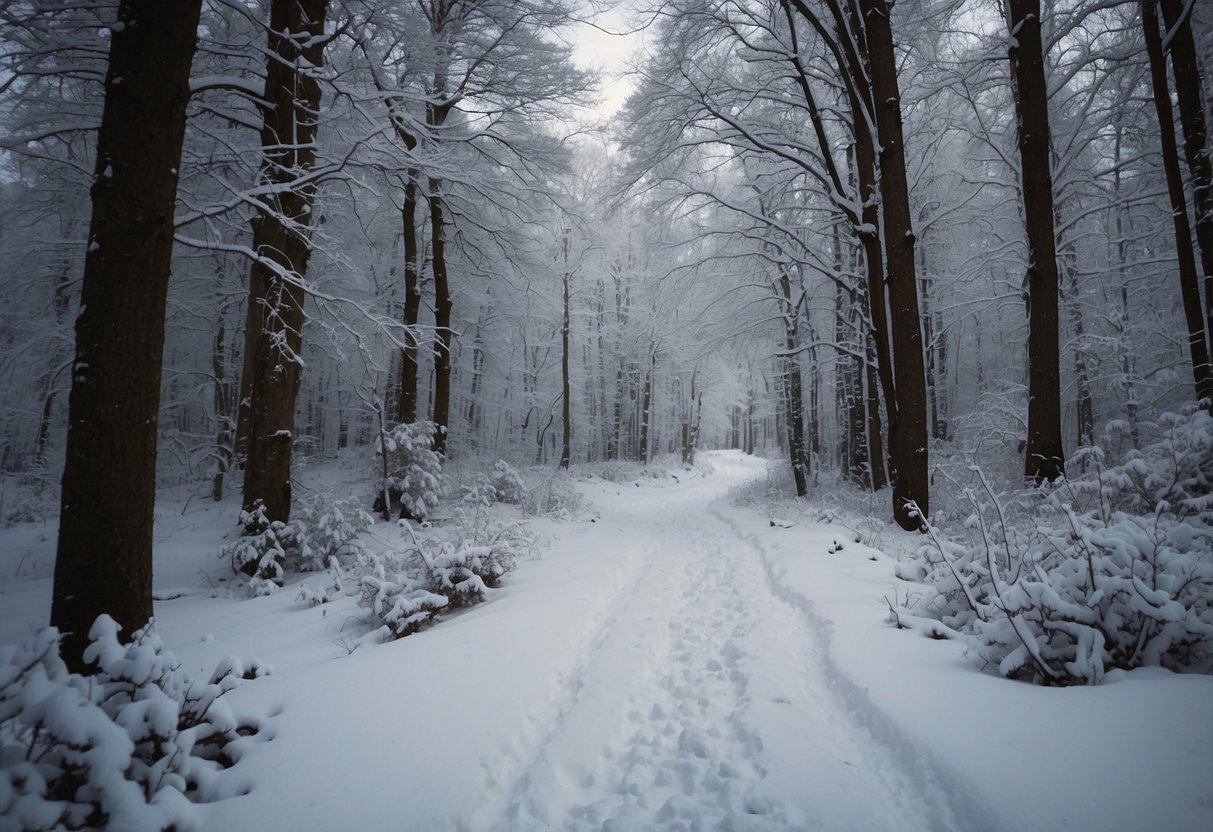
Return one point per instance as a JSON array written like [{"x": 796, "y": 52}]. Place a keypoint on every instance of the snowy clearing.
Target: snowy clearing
[{"x": 677, "y": 663}]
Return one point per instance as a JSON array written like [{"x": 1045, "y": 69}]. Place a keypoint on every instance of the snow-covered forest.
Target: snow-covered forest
[{"x": 518, "y": 415}]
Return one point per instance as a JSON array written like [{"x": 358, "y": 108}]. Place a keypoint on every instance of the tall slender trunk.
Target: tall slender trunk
[
  {"x": 646, "y": 409},
  {"x": 412, "y": 302},
  {"x": 103, "y": 562},
  {"x": 474, "y": 409},
  {"x": 442, "y": 320},
  {"x": 281, "y": 238},
  {"x": 878, "y": 476},
  {"x": 220, "y": 401},
  {"x": 1202, "y": 376},
  {"x": 1045, "y": 455},
  {"x": 908, "y": 421},
  {"x": 1190, "y": 95},
  {"x": 1083, "y": 402},
  {"x": 793, "y": 389},
  {"x": 566, "y": 391},
  {"x": 1122, "y": 257}
]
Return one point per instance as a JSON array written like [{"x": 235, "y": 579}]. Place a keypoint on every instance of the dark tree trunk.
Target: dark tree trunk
[
  {"x": 281, "y": 238},
  {"x": 1190, "y": 94},
  {"x": 1045, "y": 455},
  {"x": 412, "y": 303},
  {"x": 878, "y": 470},
  {"x": 1122, "y": 257},
  {"x": 442, "y": 320},
  {"x": 103, "y": 562},
  {"x": 221, "y": 396},
  {"x": 566, "y": 392},
  {"x": 908, "y": 421},
  {"x": 646, "y": 410},
  {"x": 793, "y": 390},
  {"x": 1188, "y": 282},
  {"x": 475, "y": 411}
]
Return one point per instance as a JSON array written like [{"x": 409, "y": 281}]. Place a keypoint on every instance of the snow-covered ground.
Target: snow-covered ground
[{"x": 674, "y": 663}]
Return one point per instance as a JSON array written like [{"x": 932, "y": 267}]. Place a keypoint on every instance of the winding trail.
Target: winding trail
[{"x": 702, "y": 704}]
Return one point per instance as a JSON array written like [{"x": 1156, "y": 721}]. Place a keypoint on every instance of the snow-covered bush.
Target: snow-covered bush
[
  {"x": 508, "y": 484},
  {"x": 127, "y": 748},
  {"x": 402, "y": 606},
  {"x": 463, "y": 575},
  {"x": 321, "y": 529},
  {"x": 555, "y": 497},
  {"x": 1111, "y": 570},
  {"x": 328, "y": 529},
  {"x": 261, "y": 550},
  {"x": 478, "y": 492},
  {"x": 414, "y": 479},
  {"x": 409, "y": 589}
]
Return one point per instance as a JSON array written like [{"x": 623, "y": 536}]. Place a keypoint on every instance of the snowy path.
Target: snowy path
[
  {"x": 676, "y": 665},
  {"x": 702, "y": 705}
]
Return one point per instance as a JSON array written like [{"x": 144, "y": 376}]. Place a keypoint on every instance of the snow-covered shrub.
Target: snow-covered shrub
[
  {"x": 414, "y": 479},
  {"x": 508, "y": 484},
  {"x": 320, "y": 530},
  {"x": 409, "y": 589},
  {"x": 1112, "y": 570},
  {"x": 555, "y": 497},
  {"x": 402, "y": 606},
  {"x": 24, "y": 511},
  {"x": 464, "y": 575},
  {"x": 127, "y": 748},
  {"x": 327, "y": 529},
  {"x": 261, "y": 550},
  {"x": 478, "y": 492}
]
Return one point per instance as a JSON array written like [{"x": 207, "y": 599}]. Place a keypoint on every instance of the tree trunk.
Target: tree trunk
[
  {"x": 566, "y": 392},
  {"x": 103, "y": 562},
  {"x": 793, "y": 390},
  {"x": 281, "y": 238},
  {"x": 908, "y": 421},
  {"x": 1189, "y": 92},
  {"x": 1083, "y": 404},
  {"x": 221, "y": 395},
  {"x": 878, "y": 476},
  {"x": 646, "y": 410},
  {"x": 442, "y": 320},
  {"x": 1045, "y": 455},
  {"x": 1188, "y": 282},
  {"x": 1123, "y": 347},
  {"x": 412, "y": 303}
]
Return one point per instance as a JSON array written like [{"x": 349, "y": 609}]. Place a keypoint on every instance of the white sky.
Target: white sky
[{"x": 609, "y": 53}]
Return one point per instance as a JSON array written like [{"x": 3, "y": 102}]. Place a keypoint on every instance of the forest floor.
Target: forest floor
[{"x": 671, "y": 662}]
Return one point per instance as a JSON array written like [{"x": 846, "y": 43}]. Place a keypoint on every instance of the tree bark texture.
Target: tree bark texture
[
  {"x": 281, "y": 238},
  {"x": 1045, "y": 455},
  {"x": 794, "y": 390},
  {"x": 412, "y": 303},
  {"x": 1190, "y": 94},
  {"x": 908, "y": 421},
  {"x": 442, "y": 319},
  {"x": 1189, "y": 283},
  {"x": 103, "y": 562},
  {"x": 565, "y": 391}
]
